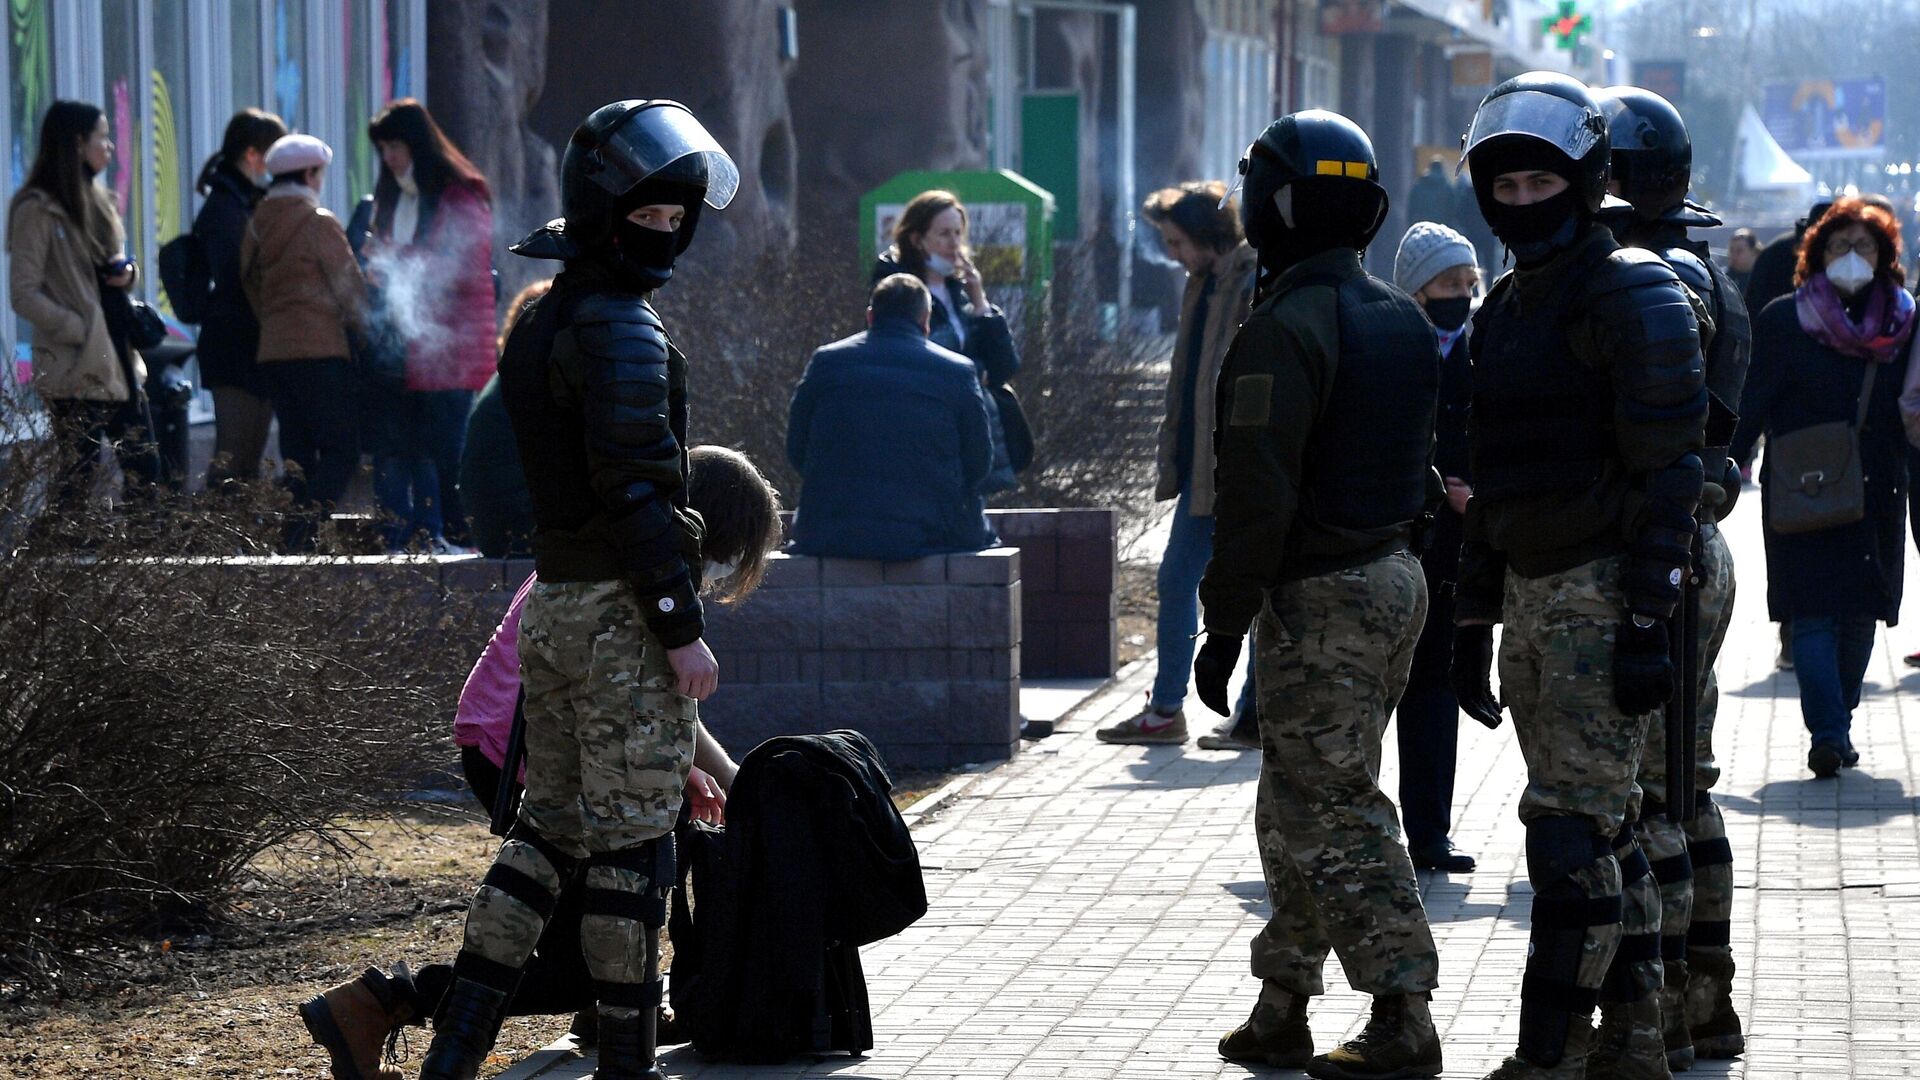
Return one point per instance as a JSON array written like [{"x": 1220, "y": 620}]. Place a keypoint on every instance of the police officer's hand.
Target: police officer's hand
[
  {"x": 1472, "y": 673},
  {"x": 1642, "y": 667},
  {"x": 1213, "y": 667},
  {"x": 697, "y": 672}
]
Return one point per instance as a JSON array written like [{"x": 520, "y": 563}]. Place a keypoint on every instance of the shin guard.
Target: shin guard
[{"x": 1575, "y": 932}]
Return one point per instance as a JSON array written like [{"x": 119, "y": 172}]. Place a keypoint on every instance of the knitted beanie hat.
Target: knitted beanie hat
[{"x": 1428, "y": 250}]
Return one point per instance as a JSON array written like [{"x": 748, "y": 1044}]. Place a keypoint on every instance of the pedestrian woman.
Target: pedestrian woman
[
  {"x": 300, "y": 277},
  {"x": 1825, "y": 354},
  {"x": 431, "y": 256},
  {"x": 68, "y": 254},
  {"x": 930, "y": 242},
  {"x": 233, "y": 182}
]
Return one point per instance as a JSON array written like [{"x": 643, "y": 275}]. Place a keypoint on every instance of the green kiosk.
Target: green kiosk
[{"x": 1010, "y": 227}]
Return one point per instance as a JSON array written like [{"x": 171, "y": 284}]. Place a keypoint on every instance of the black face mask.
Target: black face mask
[
  {"x": 644, "y": 255},
  {"x": 1449, "y": 313},
  {"x": 1538, "y": 231}
]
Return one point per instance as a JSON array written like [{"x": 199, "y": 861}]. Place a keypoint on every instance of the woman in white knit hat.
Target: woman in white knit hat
[
  {"x": 1436, "y": 266},
  {"x": 302, "y": 280}
]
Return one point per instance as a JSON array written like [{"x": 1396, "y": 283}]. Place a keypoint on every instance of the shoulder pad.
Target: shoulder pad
[
  {"x": 1629, "y": 268},
  {"x": 1692, "y": 215},
  {"x": 619, "y": 326},
  {"x": 1692, "y": 271},
  {"x": 549, "y": 241}
]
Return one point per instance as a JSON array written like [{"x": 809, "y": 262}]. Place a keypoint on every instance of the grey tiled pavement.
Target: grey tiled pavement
[{"x": 1092, "y": 905}]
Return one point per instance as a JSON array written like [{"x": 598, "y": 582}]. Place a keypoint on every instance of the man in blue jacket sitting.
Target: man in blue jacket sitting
[{"x": 889, "y": 433}]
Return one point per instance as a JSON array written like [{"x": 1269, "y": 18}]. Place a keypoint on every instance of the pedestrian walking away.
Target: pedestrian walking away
[
  {"x": 612, "y": 659},
  {"x": 1324, "y": 443},
  {"x": 1651, "y": 171},
  {"x": 1199, "y": 225},
  {"x": 1439, "y": 268},
  {"x": 1589, "y": 419}
]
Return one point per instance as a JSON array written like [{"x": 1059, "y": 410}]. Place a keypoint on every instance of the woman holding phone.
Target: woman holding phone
[{"x": 930, "y": 242}]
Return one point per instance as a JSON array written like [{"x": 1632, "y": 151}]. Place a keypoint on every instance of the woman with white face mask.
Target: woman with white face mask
[
  {"x": 930, "y": 242},
  {"x": 1835, "y": 351}
]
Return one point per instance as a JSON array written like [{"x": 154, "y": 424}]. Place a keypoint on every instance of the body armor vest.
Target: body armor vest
[
  {"x": 1542, "y": 419},
  {"x": 1368, "y": 459}
]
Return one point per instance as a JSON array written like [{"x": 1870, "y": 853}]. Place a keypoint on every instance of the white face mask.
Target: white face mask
[
  {"x": 940, "y": 264},
  {"x": 1850, "y": 273},
  {"x": 719, "y": 572}
]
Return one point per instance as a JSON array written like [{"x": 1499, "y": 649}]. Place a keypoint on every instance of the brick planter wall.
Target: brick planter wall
[{"x": 1069, "y": 577}]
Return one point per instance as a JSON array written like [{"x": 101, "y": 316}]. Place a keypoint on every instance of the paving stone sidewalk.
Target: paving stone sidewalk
[{"x": 1092, "y": 905}]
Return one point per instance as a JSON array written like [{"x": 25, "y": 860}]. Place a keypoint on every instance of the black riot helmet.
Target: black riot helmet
[
  {"x": 1652, "y": 154},
  {"x": 1311, "y": 184},
  {"x": 1540, "y": 121},
  {"x": 626, "y": 155}
]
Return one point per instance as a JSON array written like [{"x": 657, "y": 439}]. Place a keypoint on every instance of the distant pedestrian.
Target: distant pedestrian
[
  {"x": 930, "y": 242},
  {"x": 1439, "y": 268},
  {"x": 431, "y": 257},
  {"x": 67, "y": 251},
  {"x": 889, "y": 433},
  {"x": 1831, "y": 352},
  {"x": 1432, "y": 197},
  {"x": 1202, "y": 233},
  {"x": 303, "y": 283},
  {"x": 493, "y": 486},
  {"x": 233, "y": 182},
  {"x": 1743, "y": 250}
]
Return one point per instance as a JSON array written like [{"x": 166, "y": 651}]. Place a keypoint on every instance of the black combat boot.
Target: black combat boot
[
  {"x": 1398, "y": 1042},
  {"x": 1673, "y": 1019},
  {"x": 464, "y": 1032},
  {"x": 1276, "y": 1034},
  {"x": 1711, "y": 1019},
  {"x": 1571, "y": 1066},
  {"x": 1629, "y": 1044},
  {"x": 626, "y": 1047}
]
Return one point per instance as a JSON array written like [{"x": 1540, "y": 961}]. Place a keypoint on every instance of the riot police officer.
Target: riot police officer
[
  {"x": 1692, "y": 862},
  {"x": 610, "y": 639},
  {"x": 1589, "y": 410},
  {"x": 1324, "y": 439}
]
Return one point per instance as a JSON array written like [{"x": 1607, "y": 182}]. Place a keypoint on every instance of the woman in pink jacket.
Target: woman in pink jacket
[{"x": 430, "y": 254}]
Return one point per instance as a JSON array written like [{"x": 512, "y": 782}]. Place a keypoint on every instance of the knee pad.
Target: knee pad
[{"x": 1560, "y": 847}]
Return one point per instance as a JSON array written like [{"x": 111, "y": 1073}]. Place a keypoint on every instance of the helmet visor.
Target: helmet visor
[
  {"x": 1567, "y": 127},
  {"x": 655, "y": 137}
]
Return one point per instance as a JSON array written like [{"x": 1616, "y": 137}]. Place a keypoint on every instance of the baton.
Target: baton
[{"x": 506, "y": 799}]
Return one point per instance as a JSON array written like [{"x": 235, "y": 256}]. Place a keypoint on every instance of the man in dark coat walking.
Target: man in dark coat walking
[{"x": 889, "y": 433}]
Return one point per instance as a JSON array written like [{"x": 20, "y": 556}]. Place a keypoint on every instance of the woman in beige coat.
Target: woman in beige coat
[
  {"x": 301, "y": 278},
  {"x": 66, "y": 245}
]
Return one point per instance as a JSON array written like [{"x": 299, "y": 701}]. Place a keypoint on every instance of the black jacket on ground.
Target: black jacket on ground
[
  {"x": 1796, "y": 382},
  {"x": 229, "y": 339},
  {"x": 815, "y": 862},
  {"x": 889, "y": 433}
]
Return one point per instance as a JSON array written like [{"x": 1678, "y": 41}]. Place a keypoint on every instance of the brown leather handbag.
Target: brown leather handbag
[{"x": 1814, "y": 477}]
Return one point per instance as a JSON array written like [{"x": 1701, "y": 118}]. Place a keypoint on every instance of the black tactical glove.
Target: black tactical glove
[
  {"x": 1642, "y": 667},
  {"x": 1731, "y": 484},
  {"x": 1472, "y": 673},
  {"x": 1212, "y": 668}
]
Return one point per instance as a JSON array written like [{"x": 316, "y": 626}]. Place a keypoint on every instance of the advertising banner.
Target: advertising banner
[{"x": 1823, "y": 119}]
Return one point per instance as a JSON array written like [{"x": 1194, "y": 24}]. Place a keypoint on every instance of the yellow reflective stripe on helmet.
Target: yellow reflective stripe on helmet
[{"x": 1355, "y": 169}]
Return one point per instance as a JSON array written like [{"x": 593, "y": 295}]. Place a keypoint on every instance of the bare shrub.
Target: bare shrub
[{"x": 168, "y": 711}]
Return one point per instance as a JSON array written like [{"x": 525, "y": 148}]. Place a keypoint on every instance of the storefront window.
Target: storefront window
[
  {"x": 358, "y": 33},
  {"x": 30, "y": 64},
  {"x": 290, "y": 62},
  {"x": 125, "y": 97},
  {"x": 174, "y": 167},
  {"x": 398, "y": 82},
  {"x": 248, "y": 92}
]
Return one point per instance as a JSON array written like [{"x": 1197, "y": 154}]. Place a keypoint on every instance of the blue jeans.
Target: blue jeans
[
  {"x": 1189, "y": 546},
  {"x": 415, "y": 476},
  {"x": 1830, "y": 655}
]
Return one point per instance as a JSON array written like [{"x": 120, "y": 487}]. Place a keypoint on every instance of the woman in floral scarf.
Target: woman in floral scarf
[{"x": 1848, "y": 315}]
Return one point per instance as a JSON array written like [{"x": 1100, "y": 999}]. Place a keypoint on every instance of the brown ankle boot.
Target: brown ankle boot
[
  {"x": 1398, "y": 1043},
  {"x": 352, "y": 1021},
  {"x": 1276, "y": 1034}
]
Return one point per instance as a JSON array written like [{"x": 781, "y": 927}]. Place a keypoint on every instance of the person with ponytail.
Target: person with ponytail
[
  {"x": 233, "y": 182},
  {"x": 68, "y": 250}
]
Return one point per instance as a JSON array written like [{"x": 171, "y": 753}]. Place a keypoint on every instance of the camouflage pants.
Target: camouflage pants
[
  {"x": 609, "y": 738},
  {"x": 1332, "y": 657},
  {"x": 1707, "y": 846},
  {"x": 609, "y": 742},
  {"x": 1556, "y": 676}
]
